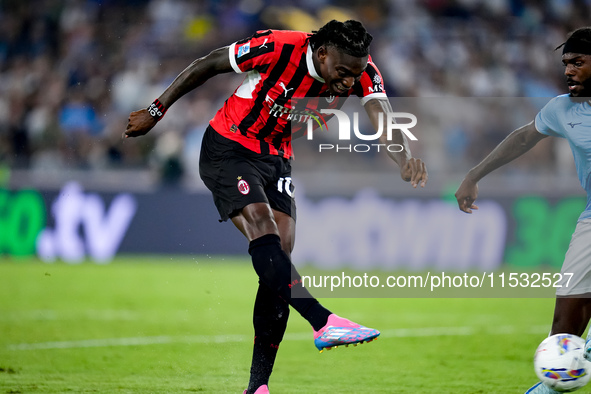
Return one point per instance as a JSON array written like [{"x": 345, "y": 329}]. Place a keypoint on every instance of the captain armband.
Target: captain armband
[{"x": 157, "y": 110}]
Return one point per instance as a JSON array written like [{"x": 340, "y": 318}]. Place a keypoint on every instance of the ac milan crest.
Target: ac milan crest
[{"x": 243, "y": 186}]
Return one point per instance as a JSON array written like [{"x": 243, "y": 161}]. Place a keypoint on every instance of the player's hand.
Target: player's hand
[
  {"x": 466, "y": 195},
  {"x": 139, "y": 123},
  {"x": 415, "y": 172}
]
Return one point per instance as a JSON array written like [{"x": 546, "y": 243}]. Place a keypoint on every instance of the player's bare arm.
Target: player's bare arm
[
  {"x": 513, "y": 146},
  {"x": 202, "y": 69},
  {"x": 412, "y": 170}
]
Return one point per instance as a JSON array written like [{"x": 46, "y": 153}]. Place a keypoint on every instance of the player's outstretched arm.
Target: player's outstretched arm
[
  {"x": 202, "y": 69},
  {"x": 412, "y": 170},
  {"x": 513, "y": 146}
]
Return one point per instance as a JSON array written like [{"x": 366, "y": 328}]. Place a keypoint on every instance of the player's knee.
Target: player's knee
[
  {"x": 264, "y": 225},
  {"x": 260, "y": 220}
]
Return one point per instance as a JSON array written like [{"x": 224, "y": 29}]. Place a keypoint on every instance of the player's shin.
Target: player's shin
[
  {"x": 275, "y": 270},
  {"x": 270, "y": 321}
]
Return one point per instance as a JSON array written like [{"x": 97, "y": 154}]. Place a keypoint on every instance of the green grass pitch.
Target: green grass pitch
[{"x": 183, "y": 324}]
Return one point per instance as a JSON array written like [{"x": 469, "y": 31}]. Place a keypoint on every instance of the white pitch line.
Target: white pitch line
[
  {"x": 204, "y": 339},
  {"x": 130, "y": 341}
]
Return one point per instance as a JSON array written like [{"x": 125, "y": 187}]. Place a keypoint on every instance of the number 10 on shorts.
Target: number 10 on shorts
[{"x": 284, "y": 185}]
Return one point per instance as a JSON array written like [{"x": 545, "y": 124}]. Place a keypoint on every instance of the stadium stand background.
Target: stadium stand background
[{"x": 72, "y": 70}]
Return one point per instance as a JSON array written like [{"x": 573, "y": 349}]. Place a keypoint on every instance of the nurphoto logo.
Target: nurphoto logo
[{"x": 344, "y": 133}]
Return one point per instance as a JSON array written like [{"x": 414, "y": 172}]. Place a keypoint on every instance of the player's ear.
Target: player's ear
[{"x": 322, "y": 53}]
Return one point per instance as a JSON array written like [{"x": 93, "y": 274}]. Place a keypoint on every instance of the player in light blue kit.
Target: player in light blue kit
[{"x": 567, "y": 116}]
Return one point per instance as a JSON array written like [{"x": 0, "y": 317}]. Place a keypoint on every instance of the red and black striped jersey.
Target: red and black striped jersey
[{"x": 279, "y": 69}]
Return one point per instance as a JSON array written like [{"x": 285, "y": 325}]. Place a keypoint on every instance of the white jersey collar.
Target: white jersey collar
[{"x": 310, "y": 63}]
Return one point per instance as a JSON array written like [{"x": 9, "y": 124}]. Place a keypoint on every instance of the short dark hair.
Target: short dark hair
[
  {"x": 583, "y": 33},
  {"x": 349, "y": 37},
  {"x": 578, "y": 41}
]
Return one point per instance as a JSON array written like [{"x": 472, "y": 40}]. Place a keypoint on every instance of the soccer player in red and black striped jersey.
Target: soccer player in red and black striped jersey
[{"x": 246, "y": 153}]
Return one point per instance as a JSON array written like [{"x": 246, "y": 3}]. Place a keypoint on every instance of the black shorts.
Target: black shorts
[{"x": 238, "y": 176}]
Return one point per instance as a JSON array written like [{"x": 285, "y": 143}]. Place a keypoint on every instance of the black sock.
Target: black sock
[
  {"x": 275, "y": 270},
  {"x": 270, "y": 321}
]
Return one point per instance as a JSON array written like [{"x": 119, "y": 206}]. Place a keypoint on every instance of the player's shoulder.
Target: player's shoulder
[
  {"x": 371, "y": 66},
  {"x": 275, "y": 37},
  {"x": 553, "y": 116},
  {"x": 563, "y": 106},
  {"x": 374, "y": 74},
  {"x": 288, "y": 36},
  {"x": 562, "y": 101}
]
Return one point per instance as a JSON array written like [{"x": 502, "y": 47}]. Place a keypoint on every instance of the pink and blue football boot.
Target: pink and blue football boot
[{"x": 340, "y": 331}]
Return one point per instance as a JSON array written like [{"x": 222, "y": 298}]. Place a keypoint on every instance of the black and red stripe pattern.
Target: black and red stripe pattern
[{"x": 278, "y": 71}]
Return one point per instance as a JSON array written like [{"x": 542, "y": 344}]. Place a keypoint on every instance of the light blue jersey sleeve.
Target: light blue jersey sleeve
[{"x": 548, "y": 119}]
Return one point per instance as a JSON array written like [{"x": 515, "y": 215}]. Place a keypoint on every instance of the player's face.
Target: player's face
[
  {"x": 339, "y": 70},
  {"x": 578, "y": 74}
]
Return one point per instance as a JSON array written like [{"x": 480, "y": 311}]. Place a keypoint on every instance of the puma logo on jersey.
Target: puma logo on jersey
[
  {"x": 285, "y": 89},
  {"x": 264, "y": 44}
]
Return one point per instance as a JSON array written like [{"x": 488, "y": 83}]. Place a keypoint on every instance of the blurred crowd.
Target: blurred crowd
[{"x": 72, "y": 70}]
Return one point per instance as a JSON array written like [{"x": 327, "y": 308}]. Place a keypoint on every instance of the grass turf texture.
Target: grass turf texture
[{"x": 174, "y": 325}]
